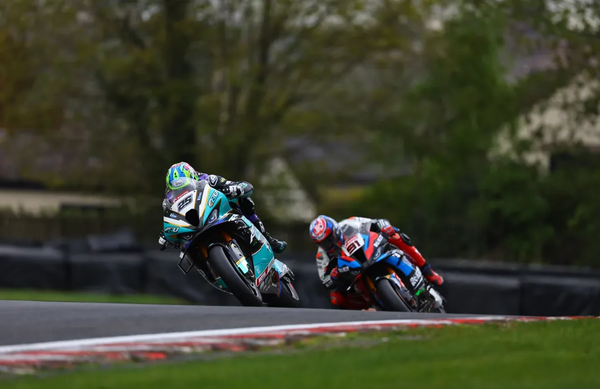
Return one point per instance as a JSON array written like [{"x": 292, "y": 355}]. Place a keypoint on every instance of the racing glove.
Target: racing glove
[
  {"x": 334, "y": 274},
  {"x": 232, "y": 191},
  {"x": 390, "y": 232},
  {"x": 344, "y": 275}
]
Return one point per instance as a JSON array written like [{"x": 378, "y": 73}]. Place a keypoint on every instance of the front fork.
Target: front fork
[
  {"x": 280, "y": 273},
  {"x": 400, "y": 287},
  {"x": 234, "y": 252}
]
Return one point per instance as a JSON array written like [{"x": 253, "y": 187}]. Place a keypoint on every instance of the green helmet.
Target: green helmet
[{"x": 180, "y": 170}]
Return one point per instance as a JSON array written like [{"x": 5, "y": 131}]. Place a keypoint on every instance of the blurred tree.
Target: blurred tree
[
  {"x": 21, "y": 73},
  {"x": 460, "y": 202},
  {"x": 223, "y": 85},
  {"x": 45, "y": 97}
]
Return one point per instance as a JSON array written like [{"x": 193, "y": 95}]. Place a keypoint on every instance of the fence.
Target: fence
[
  {"x": 34, "y": 230},
  {"x": 470, "y": 287}
]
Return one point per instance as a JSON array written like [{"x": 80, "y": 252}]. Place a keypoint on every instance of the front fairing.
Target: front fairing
[
  {"x": 195, "y": 205},
  {"x": 228, "y": 217},
  {"x": 366, "y": 248}
]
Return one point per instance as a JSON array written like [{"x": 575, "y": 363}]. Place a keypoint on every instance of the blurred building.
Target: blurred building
[
  {"x": 35, "y": 199},
  {"x": 558, "y": 130}
]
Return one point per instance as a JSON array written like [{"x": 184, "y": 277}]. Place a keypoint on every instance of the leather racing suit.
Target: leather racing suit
[{"x": 337, "y": 282}]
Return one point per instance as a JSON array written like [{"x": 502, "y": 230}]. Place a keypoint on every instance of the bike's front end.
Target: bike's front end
[
  {"x": 225, "y": 247},
  {"x": 386, "y": 275}
]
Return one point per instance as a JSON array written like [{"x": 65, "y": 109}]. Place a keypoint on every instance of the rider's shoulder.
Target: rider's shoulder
[
  {"x": 213, "y": 179},
  {"x": 356, "y": 220}
]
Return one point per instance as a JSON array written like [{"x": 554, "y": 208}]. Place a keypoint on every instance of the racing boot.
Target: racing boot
[
  {"x": 432, "y": 276},
  {"x": 277, "y": 245}
]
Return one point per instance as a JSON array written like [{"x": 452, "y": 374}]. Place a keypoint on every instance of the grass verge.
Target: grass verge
[
  {"x": 549, "y": 355},
  {"x": 47, "y": 295}
]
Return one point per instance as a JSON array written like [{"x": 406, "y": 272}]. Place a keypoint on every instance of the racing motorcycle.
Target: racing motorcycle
[
  {"x": 385, "y": 277},
  {"x": 225, "y": 247}
]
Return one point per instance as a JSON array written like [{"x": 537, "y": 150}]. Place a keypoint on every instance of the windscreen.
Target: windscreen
[
  {"x": 353, "y": 241},
  {"x": 349, "y": 230},
  {"x": 179, "y": 187}
]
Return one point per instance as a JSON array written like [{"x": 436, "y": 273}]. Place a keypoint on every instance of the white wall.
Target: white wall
[
  {"x": 548, "y": 124},
  {"x": 286, "y": 199},
  {"x": 36, "y": 202}
]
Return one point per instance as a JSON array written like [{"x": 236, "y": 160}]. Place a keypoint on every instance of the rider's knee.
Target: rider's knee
[{"x": 247, "y": 206}]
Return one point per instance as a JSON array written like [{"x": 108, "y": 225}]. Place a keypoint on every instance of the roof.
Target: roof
[{"x": 340, "y": 158}]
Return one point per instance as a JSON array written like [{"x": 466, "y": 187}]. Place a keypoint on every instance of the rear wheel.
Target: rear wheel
[
  {"x": 246, "y": 293},
  {"x": 391, "y": 299}
]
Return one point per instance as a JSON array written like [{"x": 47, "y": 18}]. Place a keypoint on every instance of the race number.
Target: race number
[
  {"x": 353, "y": 244},
  {"x": 184, "y": 203}
]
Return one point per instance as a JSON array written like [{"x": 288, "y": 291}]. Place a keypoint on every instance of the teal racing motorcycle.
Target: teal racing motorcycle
[{"x": 225, "y": 247}]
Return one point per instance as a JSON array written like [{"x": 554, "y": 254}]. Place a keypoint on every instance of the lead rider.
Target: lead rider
[
  {"x": 327, "y": 234},
  {"x": 240, "y": 190}
]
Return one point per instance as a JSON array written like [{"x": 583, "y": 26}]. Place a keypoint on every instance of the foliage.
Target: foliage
[
  {"x": 104, "y": 96},
  {"x": 460, "y": 202}
]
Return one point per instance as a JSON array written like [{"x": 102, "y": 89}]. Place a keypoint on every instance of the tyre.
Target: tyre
[
  {"x": 286, "y": 297},
  {"x": 246, "y": 293},
  {"x": 390, "y": 298}
]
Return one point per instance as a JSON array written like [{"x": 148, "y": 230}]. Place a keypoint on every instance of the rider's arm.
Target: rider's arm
[
  {"x": 377, "y": 225},
  {"x": 324, "y": 267},
  {"x": 232, "y": 189}
]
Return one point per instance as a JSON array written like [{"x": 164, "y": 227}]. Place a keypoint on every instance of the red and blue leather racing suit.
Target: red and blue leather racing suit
[{"x": 337, "y": 282}]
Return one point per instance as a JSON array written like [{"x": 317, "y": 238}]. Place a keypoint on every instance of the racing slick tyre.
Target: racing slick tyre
[
  {"x": 288, "y": 297},
  {"x": 243, "y": 289},
  {"x": 391, "y": 299}
]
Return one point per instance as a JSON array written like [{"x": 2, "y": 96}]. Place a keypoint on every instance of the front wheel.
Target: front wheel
[
  {"x": 288, "y": 298},
  {"x": 439, "y": 310},
  {"x": 247, "y": 295},
  {"x": 390, "y": 298}
]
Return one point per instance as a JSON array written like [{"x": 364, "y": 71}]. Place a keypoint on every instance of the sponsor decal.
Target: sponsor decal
[
  {"x": 416, "y": 278},
  {"x": 181, "y": 195},
  {"x": 213, "y": 198},
  {"x": 378, "y": 241}
]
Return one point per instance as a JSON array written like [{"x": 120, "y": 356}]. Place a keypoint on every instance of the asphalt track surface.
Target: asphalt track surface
[{"x": 24, "y": 322}]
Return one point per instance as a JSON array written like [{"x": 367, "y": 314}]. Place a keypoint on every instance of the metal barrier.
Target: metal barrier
[{"x": 470, "y": 287}]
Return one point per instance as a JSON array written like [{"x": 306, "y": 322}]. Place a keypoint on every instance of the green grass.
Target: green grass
[
  {"x": 46, "y": 295},
  {"x": 549, "y": 355}
]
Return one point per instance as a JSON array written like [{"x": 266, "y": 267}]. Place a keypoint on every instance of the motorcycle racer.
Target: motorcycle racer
[
  {"x": 326, "y": 232},
  {"x": 240, "y": 190}
]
